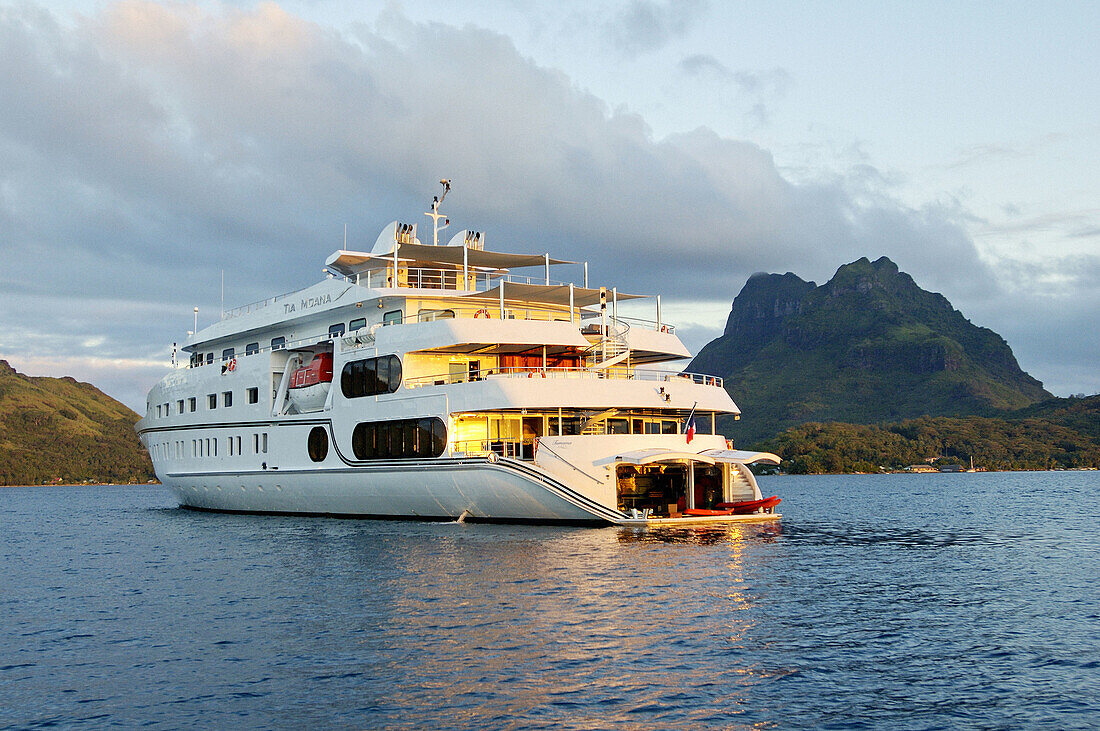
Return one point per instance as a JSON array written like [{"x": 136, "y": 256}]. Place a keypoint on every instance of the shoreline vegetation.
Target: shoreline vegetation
[{"x": 1066, "y": 436}]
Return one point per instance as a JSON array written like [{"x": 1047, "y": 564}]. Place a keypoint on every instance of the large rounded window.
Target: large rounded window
[
  {"x": 399, "y": 439},
  {"x": 371, "y": 376},
  {"x": 318, "y": 444}
]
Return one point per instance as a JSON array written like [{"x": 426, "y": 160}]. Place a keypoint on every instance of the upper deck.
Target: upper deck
[{"x": 403, "y": 281}]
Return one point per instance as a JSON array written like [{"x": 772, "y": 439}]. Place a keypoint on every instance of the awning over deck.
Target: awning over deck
[
  {"x": 709, "y": 456},
  {"x": 550, "y": 294},
  {"x": 655, "y": 454},
  {"x": 742, "y": 457},
  {"x": 349, "y": 263}
]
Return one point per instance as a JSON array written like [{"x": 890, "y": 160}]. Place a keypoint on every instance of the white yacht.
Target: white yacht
[{"x": 443, "y": 382}]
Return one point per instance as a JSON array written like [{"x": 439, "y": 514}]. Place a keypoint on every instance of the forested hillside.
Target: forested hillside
[
  {"x": 61, "y": 430},
  {"x": 1066, "y": 436}
]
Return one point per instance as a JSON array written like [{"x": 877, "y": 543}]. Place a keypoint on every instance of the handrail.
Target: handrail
[
  {"x": 426, "y": 278},
  {"x": 501, "y": 447},
  {"x": 523, "y": 449},
  {"x": 260, "y": 304},
  {"x": 489, "y": 374}
]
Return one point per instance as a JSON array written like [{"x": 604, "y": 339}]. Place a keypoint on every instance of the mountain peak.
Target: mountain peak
[
  {"x": 869, "y": 345},
  {"x": 862, "y": 276},
  {"x": 764, "y": 303}
]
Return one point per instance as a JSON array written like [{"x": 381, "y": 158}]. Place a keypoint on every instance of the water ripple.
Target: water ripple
[{"x": 877, "y": 602}]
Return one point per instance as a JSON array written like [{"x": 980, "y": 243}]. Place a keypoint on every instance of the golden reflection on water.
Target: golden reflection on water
[
  {"x": 591, "y": 625},
  {"x": 704, "y": 535}
]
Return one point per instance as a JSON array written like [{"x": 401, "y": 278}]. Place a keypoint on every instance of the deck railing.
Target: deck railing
[
  {"x": 513, "y": 448},
  {"x": 447, "y": 279},
  {"x": 574, "y": 373}
]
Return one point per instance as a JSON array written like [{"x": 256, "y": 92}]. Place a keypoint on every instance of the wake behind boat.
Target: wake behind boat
[{"x": 434, "y": 382}]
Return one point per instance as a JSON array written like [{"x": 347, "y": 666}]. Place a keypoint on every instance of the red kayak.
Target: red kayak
[
  {"x": 749, "y": 506},
  {"x": 704, "y": 511}
]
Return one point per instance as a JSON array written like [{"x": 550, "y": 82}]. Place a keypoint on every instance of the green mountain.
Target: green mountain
[
  {"x": 58, "y": 429},
  {"x": 869, "y": 346}
]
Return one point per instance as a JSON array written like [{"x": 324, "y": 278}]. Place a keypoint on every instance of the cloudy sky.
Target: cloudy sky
[{"x": 677, "y": 145}]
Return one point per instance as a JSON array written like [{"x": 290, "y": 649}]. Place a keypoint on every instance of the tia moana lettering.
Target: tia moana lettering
[{"x": 308, "y": 302}]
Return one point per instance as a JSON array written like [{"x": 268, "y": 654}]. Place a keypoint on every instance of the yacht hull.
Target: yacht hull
[{"x": 473, "y": 489}]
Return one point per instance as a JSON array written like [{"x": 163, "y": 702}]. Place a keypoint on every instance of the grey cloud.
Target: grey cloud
[
  {"x": 1086, "y": 233},
  {"x": 772, "y": 82},
  {"x": 1053, "y": 334},
  {"x": 1073, "y": 224},
  {"x": 176, "y": 144},
  {"x": 981, "y": 154},
  {"x": 759, "y": 87},
  {"x": 644, "y": 26},
  {"x": 700, "y": 64}
]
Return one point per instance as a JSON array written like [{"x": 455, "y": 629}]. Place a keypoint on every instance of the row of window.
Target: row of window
[
  {"x": 393, "y": 317},
  {"x": 198, "y": 359},
  {"x": 371, "y": 376},
  {"x": 337, "y": 330},
  {"x": 394, "y": 439},
  {"x": 191, "y": 404},
  {"x": 399, "y": 438},
  {"x": 334, "y": 331},
  {"x": 208, "y": 447}
]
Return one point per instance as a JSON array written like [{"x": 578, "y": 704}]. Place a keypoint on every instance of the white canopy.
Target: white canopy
[
  {"x": 709, "y": 456},
  {"x": 655, "y": 454},
  {"x": 550, "y": 294},
  {"x": 742, "y": 457},
  {"x": 348, "y": 263}
]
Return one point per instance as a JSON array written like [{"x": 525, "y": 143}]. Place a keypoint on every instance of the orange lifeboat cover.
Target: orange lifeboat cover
[{"x": 319, "y": 370}]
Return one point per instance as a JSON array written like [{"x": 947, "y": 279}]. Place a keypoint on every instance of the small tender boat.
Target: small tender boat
[
  {"x": 310, "y": 384},
  {"x": 704, "y": 512},
  {"x": 749, "y": 506}
]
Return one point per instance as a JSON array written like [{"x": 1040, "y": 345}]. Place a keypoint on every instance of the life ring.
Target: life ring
[
  {"x": 483, "y": 313},
  {"x": 231, "y": 365}
]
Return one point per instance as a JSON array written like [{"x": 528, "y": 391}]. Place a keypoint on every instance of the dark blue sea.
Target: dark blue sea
[{"x": 893, "y": 602}]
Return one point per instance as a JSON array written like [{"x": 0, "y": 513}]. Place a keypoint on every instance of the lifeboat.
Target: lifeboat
[{"x": 310, "y": 384}]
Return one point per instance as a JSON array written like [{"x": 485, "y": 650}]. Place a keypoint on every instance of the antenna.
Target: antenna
[
  {"x": 196, "y": 319},
  {"x": 435, "y": 215}
]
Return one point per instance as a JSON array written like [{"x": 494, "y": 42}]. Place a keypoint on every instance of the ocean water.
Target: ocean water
[{"x": 900, "y": 602}]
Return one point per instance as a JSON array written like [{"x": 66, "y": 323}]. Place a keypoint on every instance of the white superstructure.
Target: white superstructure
[{"x": 465, "y": 383}]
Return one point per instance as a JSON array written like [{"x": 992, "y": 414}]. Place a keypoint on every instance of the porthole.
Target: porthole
[{"x": 317, "y": 444}]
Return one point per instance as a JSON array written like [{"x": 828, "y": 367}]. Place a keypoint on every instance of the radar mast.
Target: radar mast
[{"x": 435, "y": 215}]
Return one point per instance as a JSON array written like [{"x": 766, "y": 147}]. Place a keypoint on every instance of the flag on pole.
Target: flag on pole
[{"x": 689, "y": 425}]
